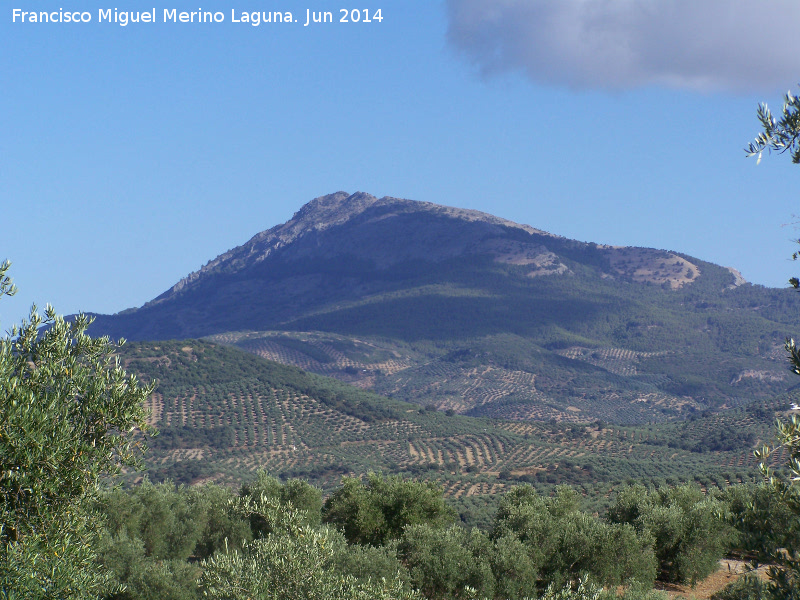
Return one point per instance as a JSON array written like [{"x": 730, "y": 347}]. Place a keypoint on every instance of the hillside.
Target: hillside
[
  {"x": 223, "y": 413},
  {"x": 473, "y": 313}
]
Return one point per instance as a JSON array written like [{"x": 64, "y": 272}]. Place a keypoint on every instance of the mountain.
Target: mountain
[{"x": 482, "y": 316}]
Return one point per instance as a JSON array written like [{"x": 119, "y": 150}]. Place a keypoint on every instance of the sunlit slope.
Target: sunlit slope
[{"x": 223, "y": 413}]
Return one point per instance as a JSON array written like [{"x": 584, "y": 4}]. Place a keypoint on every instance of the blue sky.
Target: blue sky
[{"x": 130, "y": 156}]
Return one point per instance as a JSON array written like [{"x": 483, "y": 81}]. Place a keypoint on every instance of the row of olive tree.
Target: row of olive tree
[{"x": 182, "y": 543}]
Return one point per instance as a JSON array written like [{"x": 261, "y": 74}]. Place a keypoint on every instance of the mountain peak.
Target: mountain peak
[
  {"x": 479, "y": 314},
  {"x": 333, "y": 209},
  {"x": 337, "y": 209},
  {"x": 342, "y": 247},
  {"x": 318, "y": 214}
]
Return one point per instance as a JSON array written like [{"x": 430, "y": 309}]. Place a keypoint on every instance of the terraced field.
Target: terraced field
[
  {"x": 484, "y": 390},
  {"x": 614, "y": 360},
  {"x": 463, "y": 390},
  {"x": 503, "y": 377}
]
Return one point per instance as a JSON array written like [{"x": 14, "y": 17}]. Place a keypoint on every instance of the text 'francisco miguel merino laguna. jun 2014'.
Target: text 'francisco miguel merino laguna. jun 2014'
[{"x": 173, "y": 15}]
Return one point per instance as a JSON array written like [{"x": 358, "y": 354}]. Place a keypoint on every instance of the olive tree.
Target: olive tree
[
  {"x": 563, "y": 542},
  {"x": 68, "y": 412},
  {"x": 785, "y": 558},
  {"x": 446, "y": 563},
  {"x": 690, "y": 530},
  {"x": 379, "y": 511},
  {"x": 783, "y": 135},
  {"x": 293, "y": 560}
]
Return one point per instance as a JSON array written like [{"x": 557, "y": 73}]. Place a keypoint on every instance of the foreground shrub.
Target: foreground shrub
[
  {"x": 67, "y": 414},
  {"x": 747, "y": 587},
  {"x": 294, "y": 561},
  {"x": 443, "y": 562},
  {"x": 378, "y": 511},
  {"x": 690, "y": 530},
  {"x": 142, "y": 577},
  {"x": 564, "y": 542}
]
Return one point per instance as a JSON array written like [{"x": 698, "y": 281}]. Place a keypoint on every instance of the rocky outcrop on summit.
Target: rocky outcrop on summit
[{"x": 376, "y": 233}]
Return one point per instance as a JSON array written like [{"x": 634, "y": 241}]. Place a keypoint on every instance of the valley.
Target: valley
[{"x": 223, "y": 413}]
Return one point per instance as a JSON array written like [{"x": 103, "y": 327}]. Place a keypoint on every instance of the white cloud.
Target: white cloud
[{"x": 709, "y": 45}]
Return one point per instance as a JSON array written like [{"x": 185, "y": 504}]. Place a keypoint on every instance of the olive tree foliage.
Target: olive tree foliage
[
  {"x": 67, "y": 412},
  {"x": 379, "y": 511},
  {"x": 690, "y": 530},
  {"x": 450, "y": 563},
  {"x": 784, "y": 551},
  {"x": 761, "y": 517},
  {"x": 781, "y": 135},
  {"x": 293, "y": 560},
  {"x": 295, "y": 493},
  {"x": 156, "y": 534},
  {"x": 564, "y": 543}
]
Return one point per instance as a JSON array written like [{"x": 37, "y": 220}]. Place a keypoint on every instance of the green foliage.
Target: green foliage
[
  {"x": 174, "y": 522},
  {"x": 784, "y": 550},
  {"x": 143, "y": 577},
  {"x": 299, "y": 566},
  {"x": 583, "y": 590},
  {"x": 67, "y": 414},
  {"x": 153, "y": 530},
  {"x": 781, "y": 135},
  {"x": 293, "y": 561},
  {"x": 295, "y": 494},
  {"x": 371, "y": 563},
  {"x": 690, "y": 530},
  {"x": 764, "y": 521},
  {"x": 782, "y": 545},
  {"x": 563, "y": 542},
  {"x": 214, "y": 504},
  {"x": 514, "y": 570},
  {"x": 379, "y": 511},
  {"x": 55, "y": 561},
  {"x": 747, "y": 587},
  {"x": 539, "y": 544},
  {"x": 158, "y": 516},
  {"x": 443, "y": 563}
]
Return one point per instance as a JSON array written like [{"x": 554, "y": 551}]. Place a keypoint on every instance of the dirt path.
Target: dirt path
[{"x": 728, "y": 572}]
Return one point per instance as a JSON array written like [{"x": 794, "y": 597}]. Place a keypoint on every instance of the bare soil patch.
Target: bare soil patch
[{"x": 729, "y": 571}]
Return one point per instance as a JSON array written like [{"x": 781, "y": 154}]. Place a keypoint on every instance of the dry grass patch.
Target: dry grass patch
[{"x": 729, "y": 571}]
